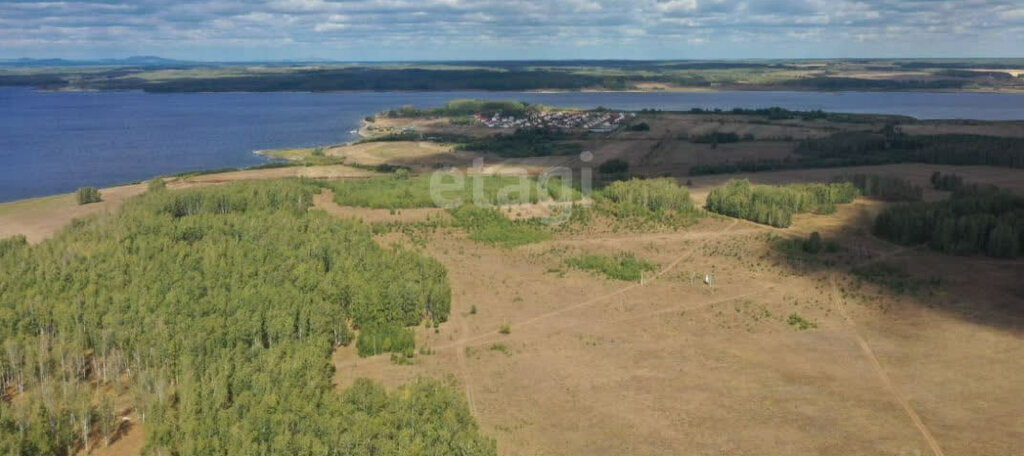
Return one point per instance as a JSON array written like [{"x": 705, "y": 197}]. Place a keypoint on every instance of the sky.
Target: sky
[{"x": 389, "y": 30}]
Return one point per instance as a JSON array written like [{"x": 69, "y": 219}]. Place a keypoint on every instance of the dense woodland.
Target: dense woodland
[
  {"x": 776, "y": 205},
  {"x": 655, "y": 200},
  {"x": 212, "y": 314},
  {"x": 889, "y": 146},
  {"x": 977, "y": 219},
  {"x": 885, "y": 188}
]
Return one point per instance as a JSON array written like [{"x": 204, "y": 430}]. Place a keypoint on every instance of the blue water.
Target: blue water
[{"x": 56, "y": 142}]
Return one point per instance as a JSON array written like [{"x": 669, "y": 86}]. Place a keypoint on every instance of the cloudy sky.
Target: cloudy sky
[{"x": 510, "y": 29}]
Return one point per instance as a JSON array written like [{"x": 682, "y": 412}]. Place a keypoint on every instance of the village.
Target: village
[{"x": 594, "y": 121}]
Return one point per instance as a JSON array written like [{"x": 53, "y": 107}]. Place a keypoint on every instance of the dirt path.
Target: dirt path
[
  {"x": 465, "y": 340},
  {"x": 880, "y": 371},
  {"x": 589, "y": 302},
  {"x": 467, "y": 380}
]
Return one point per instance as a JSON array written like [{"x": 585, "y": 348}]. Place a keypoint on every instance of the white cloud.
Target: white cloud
[
  {"x": 677, "y": 6},
  {"x": 505, "y": 28}
]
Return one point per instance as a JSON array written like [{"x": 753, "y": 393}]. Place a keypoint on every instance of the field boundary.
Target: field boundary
[{"x": 882, "y": 374}]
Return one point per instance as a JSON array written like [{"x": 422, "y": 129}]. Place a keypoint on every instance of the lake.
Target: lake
[{"x": 56, "y": 142}]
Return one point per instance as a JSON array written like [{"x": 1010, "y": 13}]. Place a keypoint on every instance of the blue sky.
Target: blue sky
[{"x": 509, "y": 29}]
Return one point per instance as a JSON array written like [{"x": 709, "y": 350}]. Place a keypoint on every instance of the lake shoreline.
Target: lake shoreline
[{"x": 54, "y": 142}]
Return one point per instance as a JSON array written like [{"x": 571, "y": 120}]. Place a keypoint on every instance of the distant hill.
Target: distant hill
[{"x": 138, "y": 61}]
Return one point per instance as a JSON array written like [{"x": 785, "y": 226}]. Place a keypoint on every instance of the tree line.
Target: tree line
[
  {"x": 947, "y": 182},
  {"x": 889, "y": 146},
  {"x": 466, "y": 107},
  {"x": 656, "y": 200},
  {"x": 977, "y": 219},
  {"x": 524, "y": 142},
  {"x": 213, "y": 314},
  {"x": 776, "y": 205},
  {"x": 366, "y": 78},
  {"x": 885, "y": 188}
]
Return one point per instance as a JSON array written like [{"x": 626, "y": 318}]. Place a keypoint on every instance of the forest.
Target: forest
[
  {"x": 212, "y": 314},
  {"x": 863, "y": 148},
  {"x": 893, "y": 146},
  {"x": 885, "y": 188},
  {"x": 977, "y": 219},
  {"x": 776, "y": 205},
  {"x": 660, "y": 201}
]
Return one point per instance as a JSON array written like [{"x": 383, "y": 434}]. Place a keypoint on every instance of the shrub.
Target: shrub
[
  {"x": 500, "y": 347},
  {"x": 88, "y": 195},
  {"x": 505, "y": 329},
  {"x": 156, "y": 185},
  {"x": 800, "y": 323},
  {"x": 813, "y": 243}
]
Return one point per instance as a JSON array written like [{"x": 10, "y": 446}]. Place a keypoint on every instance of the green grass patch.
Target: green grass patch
[
  {"x": 500, "y": 347},
  {"x": 623, "y": 266},
  {"x": 489, "y": 226},
  {"x": 449, "y": 190}
]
